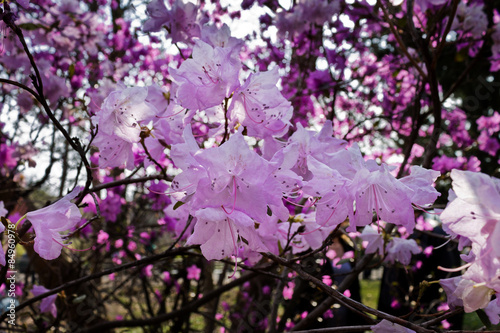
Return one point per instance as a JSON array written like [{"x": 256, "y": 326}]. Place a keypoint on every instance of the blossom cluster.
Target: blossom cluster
[
  {"x": 227, "y": 128},
  {"x": 471, "y": 218}
]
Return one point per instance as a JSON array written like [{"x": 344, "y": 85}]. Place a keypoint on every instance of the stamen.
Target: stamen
[
  {"x": 234, "y": 198},
  {"x": 423, "y": 209},
  {"x": 245, "y": 107},
  {"x": 442, "y": 245},
  {"x": 298, "y": 205},
  {"x": 235, "y": 248},
  {"x": 172, "y": 115},
  {"x": 376, "y": 208},
  {"x": 453, "y": 270},
  {"x": 180, "y": 190},
  {"x": 209, "y": 77}
]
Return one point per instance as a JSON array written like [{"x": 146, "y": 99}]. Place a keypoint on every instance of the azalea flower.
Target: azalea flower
[
  {"x": 207, "y": 78},
  {"x": 193, "y": 272},
  {"x": 2, "y": 252},
  {"x": 466, "y": 293},
  {"x": 48, "y": 303},
  {"x": 386, "y": 326},
  {"x": 401, "y": 250},
  {"x": 219, "y": 232},
  {"x": 3, "y": 211},
  {"x": 374, "y": 240},
  {"x": 260, "y": 107},
  {"x": 50, "y": 221}
]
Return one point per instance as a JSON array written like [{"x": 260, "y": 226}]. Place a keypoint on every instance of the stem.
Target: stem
[
  {"x": 142, "y": 262},
  {"x": 343, "y": 300},
  {"x": 37, "y": 82},
  {"x": 188, "y": 308}
]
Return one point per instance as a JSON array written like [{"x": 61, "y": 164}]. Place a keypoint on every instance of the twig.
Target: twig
[
  {"x": 190, "y": 307},
  {"x": 344, "y": 300},
  {"x": 400, "y": 41},
  {"x": 114, "y": 269}
]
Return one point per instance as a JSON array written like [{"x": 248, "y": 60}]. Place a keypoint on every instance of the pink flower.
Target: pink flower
[
  {"x": 166, "y": 277},
  {"x": 3, "y": 211},
  {"x": 328, "y": 314},
  {"x": 193, "y": 272},
  {"x": 114, "y": 151},
  {"x": 474, "y": 215},
  {"x": 493, "y": 311},
  {"x": 48, "y": 303},
  {"x": 386, "y": 326},
  {"x": 180, "y": 19},
  {"x": 102, "y": 237},
  {"x": 401, "y": 250},
  {"x": 327, "y": 280},
  {"x": 374, "y": 239},
  {"x": 218, "y": 232},
  {"x": 420, "y": 181},
  {"x": 488, "y": 144},
  {"x": 148, "y": 271},
  {"x": 491, "y": 124},
  {"x": 122, "y": 112},
  {"x": 207, "y": 78},
  {"x": 446, "y": 325},
  {"x": 260, "y": 106},
  {"x": 132, "y": 246},
  {"x": 50, "y": 221},
  {"x": 377, "y": 190},
  {"x": 288, "y": 290}
]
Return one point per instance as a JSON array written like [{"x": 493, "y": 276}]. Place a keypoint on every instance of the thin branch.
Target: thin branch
[
  {"x": 400, "y": 41},
  {"x": 37, "y": 82},
  {"x": 190, "y": 307},
  {"x": 22, "y": 86},
  {"x": 114, "y": 269},
  {"x": 439, "y": 49},
  {"x": 344, "y": 300},
  {"x": 342, "y": 329},
  {"x": 127, "y": 181}
]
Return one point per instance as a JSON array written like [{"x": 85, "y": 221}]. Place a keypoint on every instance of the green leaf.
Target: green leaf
[
  {"x": 484, "y": 318},
  {"x": 71, "y": 70},
  {"x": 178, "y": 204},
  {"x": 30, "y": 26}
]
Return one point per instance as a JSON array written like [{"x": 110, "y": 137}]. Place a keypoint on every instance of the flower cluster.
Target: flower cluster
[{"x": 472, "y": 218}]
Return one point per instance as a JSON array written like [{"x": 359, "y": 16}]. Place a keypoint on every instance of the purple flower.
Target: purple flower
[
  {"x": 193, "y": 272},
  {"x": 260, "y": 106},
  {"x": 48, "y": 303},
  {"x": 401, "y": 250},
  {"x": 50, "y": 221},
  {"x": 207, "y": 78},
  {"x": 386, "y": 326}
]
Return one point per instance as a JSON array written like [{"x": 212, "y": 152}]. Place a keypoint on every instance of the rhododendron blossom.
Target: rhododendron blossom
[
  {"x": 295, "y": 149},
  {"x": 48, "y": 303},
  {"x": 50, "y": 221},
  {"x": 259, "y": 106},
  {"x": 386, "y": 326},
  {"x": 207, "y": 78}
]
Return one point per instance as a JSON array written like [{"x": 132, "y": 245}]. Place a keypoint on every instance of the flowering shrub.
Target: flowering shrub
[{"x": 199, "y": 158}]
